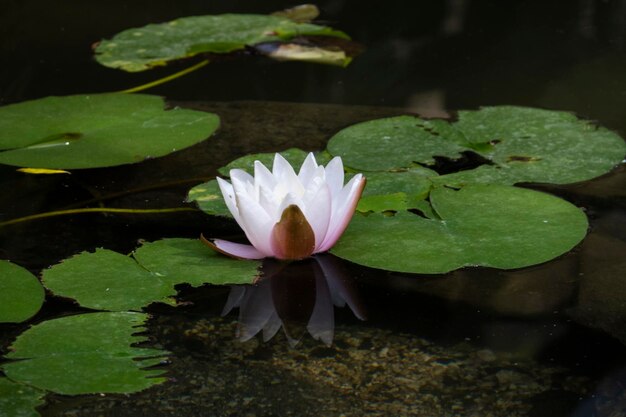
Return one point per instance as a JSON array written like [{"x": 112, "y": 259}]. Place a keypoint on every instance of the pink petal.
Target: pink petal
[
  {"x": 341, "y": 216},
  {"x": 236, "y": 250}
]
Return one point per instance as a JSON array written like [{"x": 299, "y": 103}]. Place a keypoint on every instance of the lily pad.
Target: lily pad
[
  {"x": 85, "y": 353},
  {"x": 107, "y": 280},
  {"x": 519, "y": 144},
  {"x": 209, "y": 199},
  {"x": 395, "y": 190},
  {"x": 19, "y": 400},
  {"x": 189, "y": 261},
  {"x": 97, "y": 130},
  {"x": 480, "y": 225},
  {"x": 21, "y": 294},
  {"x": 139, "y": 49}
]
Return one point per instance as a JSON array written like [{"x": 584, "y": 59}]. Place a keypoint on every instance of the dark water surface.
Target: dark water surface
[{"x": 542, "y": 341}]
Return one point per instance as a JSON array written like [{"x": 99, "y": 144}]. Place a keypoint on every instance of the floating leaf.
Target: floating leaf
[
  {"x": 481, "y": 225},
  {"x": 107, "y": 280},
  {"x": 209, "y": 199},
  {"x": 85, "y": 353},
  {"x": 390, "y": 144},
  {"x": 18, "y": 400},
  {"x": 188, "y": 261},
  {"x": 153, "y": 45},
  {"x": 21, "y": 294},
  {"x": 98, "y": 130},
  {"x": 395, "y": 190},
  {"x": 521, "y": 145}
]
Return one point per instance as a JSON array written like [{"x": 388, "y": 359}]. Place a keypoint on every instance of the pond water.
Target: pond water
[{"x": 540, "y": 341}]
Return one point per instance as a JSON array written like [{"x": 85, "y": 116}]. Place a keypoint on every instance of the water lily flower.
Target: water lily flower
[{"x": 287, "y": 215}]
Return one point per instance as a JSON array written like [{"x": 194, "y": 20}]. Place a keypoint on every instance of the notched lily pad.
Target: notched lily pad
[
  {"x": 139, "y": 49},
  {"x": 19, "y": 400},
  {"x": 84, "y": 354},
  {"x": 107, "y": 280},
  {"x": 21, "y": 294},
  {"x": 522, "y": 145},
  {"x": 480, "y": 225},
  {"x": 97, "y": 130},
  {"x": 395, "y": 190}
]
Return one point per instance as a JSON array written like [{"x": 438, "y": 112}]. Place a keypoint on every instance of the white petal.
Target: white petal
[
  {"x": 263, "y": 177},
  {"x": 286, "y": 178},
  {"x": 241, "y": 175},
  {"x": 343, "y": 209},
  {"x": 229, "y": 197},
  {"x": 267, "y": 200},
  {"x": 317, "y": 210},
  {"x": 335, "y": 176},
  {"x": 307, "y": 170},
  {"x": 255, "y": 222}
]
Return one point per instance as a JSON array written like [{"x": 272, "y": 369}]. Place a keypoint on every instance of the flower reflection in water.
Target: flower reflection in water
[{"x": 296, "y": 296}]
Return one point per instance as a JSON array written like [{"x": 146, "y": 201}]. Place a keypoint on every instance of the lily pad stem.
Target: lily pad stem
[{"x": 166, "y": 79}]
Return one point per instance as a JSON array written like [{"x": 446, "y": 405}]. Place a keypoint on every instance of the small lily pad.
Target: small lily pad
[
  {"x": 21, "y": 294},
  {"x": 519, "y": 144},
  {"x": 139, "y": 49},
  {"x": 107, "y": 280},
  {"x": 19, "y": 400},
  {"x": 84, "y": 354},
  {"x": 97, "y": 130},
  {"x": 480, "y": 225}
]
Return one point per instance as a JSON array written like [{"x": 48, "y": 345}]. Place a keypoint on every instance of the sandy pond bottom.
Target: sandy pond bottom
[{"x": 366, "y": 371}]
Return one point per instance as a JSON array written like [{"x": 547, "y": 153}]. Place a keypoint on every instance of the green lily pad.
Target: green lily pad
[
  {"x": 520, "y": 144},
  {"x": 209, "y": 199},
  {"x": 21, "y": 294},
  {"x": 107, "y": 280},
  {"x": 189, "y": 261},
  {"x": 84, "y": 354},
  {"x": 480, "y": 225},
  {"x": 395, "y": 190},
  {"x": 97, "y": 130},
  {"x": 139, "y": 49},
  {"x": 19, "y": 400}
]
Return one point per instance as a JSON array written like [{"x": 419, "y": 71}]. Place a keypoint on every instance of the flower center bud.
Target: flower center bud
[{"x": 292, "y": 237}]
